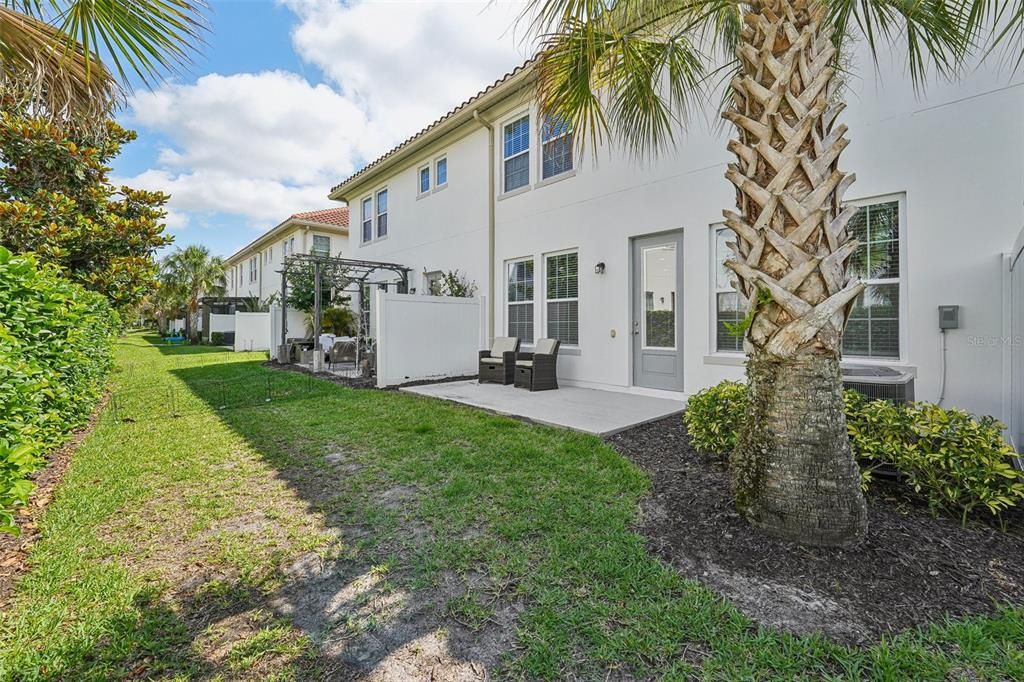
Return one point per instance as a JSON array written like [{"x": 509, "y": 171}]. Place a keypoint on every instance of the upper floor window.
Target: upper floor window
[
  {"x": 516, "y": 154},
  {"x": 291, "y": 245},
  {"x": 556, "y": 147},
  {"x": 441, "y": 172},
  {"x": 367, "y": 216},
  {"x": 424, "y": 179},
  {"x": 252, "y": 269},
  {"x": 520, "y": 300},
  {"x": 382, "y": 213},
  {"x": 562, "y": 292},
  {"x": 321, "y": 245},
  {"x": 727, "y": 300},
  {"x": 873, "y": 330},
  {"x": 284, "y": 248}
]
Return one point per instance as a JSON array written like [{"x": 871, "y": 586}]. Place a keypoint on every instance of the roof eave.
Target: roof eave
[
  {"x": 459, "y": 117},
  {"x": 273, "y": 232}
]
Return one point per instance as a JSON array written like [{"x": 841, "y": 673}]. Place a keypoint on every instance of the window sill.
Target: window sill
[
  {"x": 726, "y": 359},
  {"x": 556, "y": 178},
  {"x": 439, "y": 188},
  {"x": 514, "y": 192},
  {"x": 423, "y": 195}
]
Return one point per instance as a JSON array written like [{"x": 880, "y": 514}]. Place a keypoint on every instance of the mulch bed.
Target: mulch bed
[
  {"x": 912, "y": 568},
  {"x": 14, "y": 550}
]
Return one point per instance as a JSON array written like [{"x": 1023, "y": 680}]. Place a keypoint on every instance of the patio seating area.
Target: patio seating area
[{"x": 602, "y": 413}]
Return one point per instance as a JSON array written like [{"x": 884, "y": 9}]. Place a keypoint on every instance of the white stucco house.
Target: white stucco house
[
  {"x": 585, "y": 247},
  {"x": 254, "y": 269}
]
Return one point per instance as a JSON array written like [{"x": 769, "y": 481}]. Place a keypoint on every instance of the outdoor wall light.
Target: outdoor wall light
[{"x": 599, "y": 268}]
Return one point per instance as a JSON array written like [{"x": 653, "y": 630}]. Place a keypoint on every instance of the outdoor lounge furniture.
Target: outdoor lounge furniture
[
  {"x": 342, "y": 352},
  {"x": 498, "y": 364},
  {"x": 537, "y": 370}
]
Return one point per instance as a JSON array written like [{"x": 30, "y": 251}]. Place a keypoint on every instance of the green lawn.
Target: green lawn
[{"x": 176, "y": 543}]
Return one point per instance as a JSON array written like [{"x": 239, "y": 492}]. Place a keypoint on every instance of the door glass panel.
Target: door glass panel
[{"x": 659, "y": 280}]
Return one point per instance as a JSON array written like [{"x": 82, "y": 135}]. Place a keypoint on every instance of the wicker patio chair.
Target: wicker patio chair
[
  {"x": 342, "y": 351},
  {"x": 498, "y": 364},
  {"x": 537, "y": 371}
]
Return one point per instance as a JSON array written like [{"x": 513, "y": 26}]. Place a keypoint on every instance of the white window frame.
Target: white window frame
[
  {"x": 364, "y": 219},
  {"x": 713, "y": 287},
  {"x": 420, "y": 192},
  {"x": 438, "y": 186},
  {"x": 545, "y": 300},
  {"x": 291, "y": 246},
  {"x": 510, "y": 120},
  {"x": 252, "y": 269},
  {"x": 541, "y": 180},
  {"x": 312, "y": 246},
  {"x": 532, "y": 302},
  {"x": 284, "y": 248},
  {"x": 377, "y": 214},
  {"x": 904, "y": 306}
]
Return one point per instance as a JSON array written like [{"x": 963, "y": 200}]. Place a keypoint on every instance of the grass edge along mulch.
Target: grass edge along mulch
[{"x": 547, "y": 515}]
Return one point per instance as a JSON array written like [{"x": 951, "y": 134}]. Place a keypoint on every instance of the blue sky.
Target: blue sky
[{"x": 290, "y": 96}]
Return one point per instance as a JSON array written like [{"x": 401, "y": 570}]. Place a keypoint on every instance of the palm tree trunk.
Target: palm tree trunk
[{"x": 793, "y": 470}]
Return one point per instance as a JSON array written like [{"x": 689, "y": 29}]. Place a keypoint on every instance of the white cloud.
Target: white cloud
[
  {"x": 265, "y": 145},
  {"x": 407, "y": 63}
]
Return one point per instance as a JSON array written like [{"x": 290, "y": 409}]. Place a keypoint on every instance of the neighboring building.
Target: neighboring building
[
  {"x": 254, "y": 269},
  {"x": 619, "y": 258}
]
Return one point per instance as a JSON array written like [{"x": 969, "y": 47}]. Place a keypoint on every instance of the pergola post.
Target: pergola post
[
  {"x": 283, "y": 352},
  {"x": 318, "y": 351}
]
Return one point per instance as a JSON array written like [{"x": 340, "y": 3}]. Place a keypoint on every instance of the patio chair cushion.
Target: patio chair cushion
[
  {"x": 546, "y": 346},
  {"x": 503, "y": 344},
  {"x": 491, "y": 360},
  {"x": 524, "y": 363}
]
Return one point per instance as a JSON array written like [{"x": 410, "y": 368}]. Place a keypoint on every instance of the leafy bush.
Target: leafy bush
[
  {"x": 54, "y": 357},
  {"x": 953, "y": 460},
  {"x": 956, "y": 462},
  {"x": 216, "y": 338},
  {"x": 714, "y": 416}
]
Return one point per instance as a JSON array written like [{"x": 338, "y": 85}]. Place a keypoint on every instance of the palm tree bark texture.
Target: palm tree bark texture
[{"x": 794, "y": 474}]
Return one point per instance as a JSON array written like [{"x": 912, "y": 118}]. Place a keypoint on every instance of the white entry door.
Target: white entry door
[{"x": 657, "y": 317}]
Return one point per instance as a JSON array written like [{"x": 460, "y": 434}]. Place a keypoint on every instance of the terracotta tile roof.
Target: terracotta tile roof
[
  {"x": 327, "y": 216},
  {"x": 461, "y": 107}
]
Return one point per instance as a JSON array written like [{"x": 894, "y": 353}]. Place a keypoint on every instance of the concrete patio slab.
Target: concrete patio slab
[{"x": 602, "y": 413}]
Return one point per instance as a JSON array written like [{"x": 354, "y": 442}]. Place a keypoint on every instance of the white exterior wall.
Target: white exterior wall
[
  {"x": 440, "y": 231},
  {"x": 270, "y": 259},
  {"x": 955, "y": 160}
]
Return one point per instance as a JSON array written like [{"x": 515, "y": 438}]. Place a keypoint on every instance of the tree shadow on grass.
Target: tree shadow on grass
[{"x": 363, "y": 609}]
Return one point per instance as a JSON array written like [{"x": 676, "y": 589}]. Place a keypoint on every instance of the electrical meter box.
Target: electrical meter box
[{"x": 949, "y": 317}]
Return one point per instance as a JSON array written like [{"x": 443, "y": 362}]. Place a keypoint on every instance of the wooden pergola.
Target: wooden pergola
[{"x": 339, "y": 274}]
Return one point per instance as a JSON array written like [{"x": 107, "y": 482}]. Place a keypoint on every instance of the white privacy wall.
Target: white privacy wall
[
  {"x": 252, "y": 331},
  {"x": 427, "y": 337},
  {"x": 222, "y": 323},
  {"x": 296, "y": 327}
]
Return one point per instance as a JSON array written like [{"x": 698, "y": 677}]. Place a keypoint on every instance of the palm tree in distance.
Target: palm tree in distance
[
  {"x": 630, "y": 69},
  {"x": 189, "y": 274},
  {"x": 50, "y": 51}
]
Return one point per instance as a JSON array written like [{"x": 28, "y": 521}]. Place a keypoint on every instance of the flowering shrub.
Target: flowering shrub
[{"x": 55, "y": 353}]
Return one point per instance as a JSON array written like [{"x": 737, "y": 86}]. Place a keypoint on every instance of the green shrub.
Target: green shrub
[
  {"x": 55, "y": 353},
  {"x": 216, "y": 338},
  {"x": 714, "y": 417},
  {"x": 954, "y": 461}
]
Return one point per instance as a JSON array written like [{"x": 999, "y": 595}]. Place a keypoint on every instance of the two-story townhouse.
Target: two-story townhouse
[
  {"x": 253, "y": 270},
  {"x": 619, "y": 257}
]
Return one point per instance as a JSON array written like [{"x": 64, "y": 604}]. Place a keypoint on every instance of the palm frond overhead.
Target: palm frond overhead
[{"x": 51, "y": 52}]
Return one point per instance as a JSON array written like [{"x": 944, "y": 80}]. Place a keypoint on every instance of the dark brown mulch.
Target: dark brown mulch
[
  {"x": 913, "y": 568},
  {"x": 14, "y": 550}
]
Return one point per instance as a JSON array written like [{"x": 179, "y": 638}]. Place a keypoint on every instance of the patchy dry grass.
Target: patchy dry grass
[{"x": 329, "y": 533}]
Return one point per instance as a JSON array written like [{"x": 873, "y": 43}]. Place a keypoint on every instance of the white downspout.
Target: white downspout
[{"x": 490, "y": 223}]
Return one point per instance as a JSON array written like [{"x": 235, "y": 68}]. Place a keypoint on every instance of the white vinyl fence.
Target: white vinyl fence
[
  {"x": 221, "y": 323},
  {"x": 252, "y": 331},
  {"x": 1016, "y": 344},
  {"x": 296, "y": 327},
  {"x": 427, "y": 337}
]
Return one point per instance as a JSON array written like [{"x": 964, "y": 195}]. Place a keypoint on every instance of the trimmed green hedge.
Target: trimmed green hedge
[
  {"x": 55, "y": 353},
  {"x": 954, "y": 461}
]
